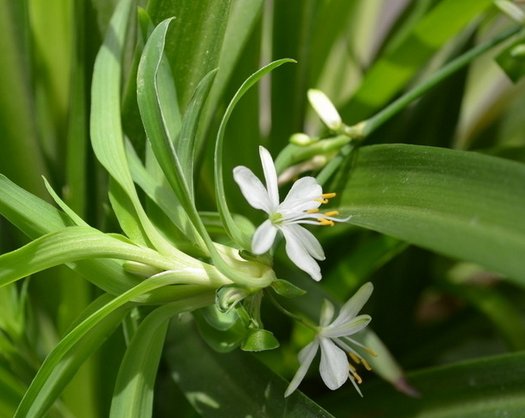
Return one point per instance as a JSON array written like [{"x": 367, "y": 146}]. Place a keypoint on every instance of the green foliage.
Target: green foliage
[{"x": 136, "y": 293}]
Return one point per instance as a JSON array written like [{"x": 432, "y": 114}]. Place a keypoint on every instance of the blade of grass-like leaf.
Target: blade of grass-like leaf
[
  {"x": 185, "y": 143},
  {"x": 36, "y": 399},
  {"x": 194, "y": 43},
  {"x": 461, "y": 204},
  {"x": 398, "y": 65},
  {"x": 233, "y": 384},
  {"x": 242, "y": 20},
  {"x": 106, "y": 130},
  {"x": 163, "y": 196},
  {"x": 154, "y": 124},
  {"x": 39, "y": 397},
  {"x": 69, "y": 245},
  {"x": 231, "y": 227},
  {"x": 483, "y": 388},
  {"x": 35, "y": 217},
  {"x": 17, "y": 127},
  {"x": 133, "y": 396}
]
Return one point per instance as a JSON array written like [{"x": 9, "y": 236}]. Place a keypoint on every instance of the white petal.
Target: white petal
[
  {"x": 352, "y": 307},
  {"x": 327, "y": 313},
  {"x": 270, "y": 176},
  {"x": 264, "y": 237},
  {"x": 306, "y": 356},
  {"x": 299, "y": 255},
  {"x": 347, "y": 328},
  {"x": 308, "y": 240},
  {"x": 325, "y": 109},
  {"x": 252, "y": 189},
  {"x": 334, "y": 364},
  {"x": 304, "y": 195}
]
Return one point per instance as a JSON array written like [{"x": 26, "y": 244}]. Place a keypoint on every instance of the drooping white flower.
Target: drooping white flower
[
  {"x": 334, "y": 339},
  {"x": 301, "y": 206}
]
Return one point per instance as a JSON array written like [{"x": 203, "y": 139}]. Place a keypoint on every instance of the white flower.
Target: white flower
[
  {"x": 334, "y": 340},
  {"x": 299, "y": 207},
  {"x": 325, "y": 109}
]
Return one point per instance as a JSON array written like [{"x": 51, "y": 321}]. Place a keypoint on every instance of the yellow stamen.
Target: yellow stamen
[
  {"x": 312, "y": 211},
  {"x": 328, "y": 195},
  {"x": 321, "y": 201},
  {"x": 332, "y": 213},
  {"x": 367, "y": 366},
  {"x": 354, "y": 358},
  {"x": 326, "y": 222},
  {"x": 356, "y": 376}
]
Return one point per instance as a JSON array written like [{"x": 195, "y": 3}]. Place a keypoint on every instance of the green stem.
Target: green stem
[
  {"x": 285, "y": 311},
  {"x": 380, "y": 118}
]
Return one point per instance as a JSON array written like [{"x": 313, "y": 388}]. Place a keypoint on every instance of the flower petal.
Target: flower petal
[
  {"x": 306, "y": 356},
  {"x": 352, "y": 307},
  {"x": 308, "y": 241},
  {"x": 325, "y": 109},
  {"x": 270, "y": 175},
  {"x": 304, "y": 195},
  {"x": 299, "y": 255},
  {"x": 264, "y": 237},
  {"x": 252, "y": 189},
  {"x": 346, "y": 328},
  {"x": 334, "y": 364}
]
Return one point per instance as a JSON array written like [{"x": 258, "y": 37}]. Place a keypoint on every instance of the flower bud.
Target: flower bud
[{"x": 325, "y": 109}]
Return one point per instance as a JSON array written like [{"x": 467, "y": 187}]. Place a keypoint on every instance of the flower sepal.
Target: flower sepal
[
  {"x": 286, "y": 289},
  {"x": 260, "y": 340}
]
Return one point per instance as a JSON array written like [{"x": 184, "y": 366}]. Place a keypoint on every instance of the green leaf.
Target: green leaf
[
  {"x": 233, "y": 384},
  {"x": 398, "y": 65},
  {"x": 229, "y": 224},
  {"x": 461, "y": 204},
  {"x": 63, "y": 362},
  {"x": 194, "y": 43},
  {"x": 106, "y": 129},
  {"x": 133, "y": 396},
  {"x": 512, "y": 60},
  {"x": 69, "y": 245},
  {"x": 483, "y": 388}
]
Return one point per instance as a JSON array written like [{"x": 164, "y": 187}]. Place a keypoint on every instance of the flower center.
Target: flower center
[{"x": 276, "y": 218}]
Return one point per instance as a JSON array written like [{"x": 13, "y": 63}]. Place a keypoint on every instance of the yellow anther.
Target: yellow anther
[
  {"x": 328, "y": 195},
  {"x": 356, "y": 376},
  {"x": 367, "y": 366},
  {"x": 332, "y": 213},
  {"x": 326, "y": 222},
  {"x": 312, "y": 211},
  {"x": 354, "y": 358},
  {"x": 321, "y": 201}
]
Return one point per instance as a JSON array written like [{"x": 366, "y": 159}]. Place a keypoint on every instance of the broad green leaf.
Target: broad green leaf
[
  {"x": 461, "y": 204},
  {"x": 233, "y": 384},
  {"x": 483, "y": 388},
  {"x": 399, "y": 64},
  {"x": 133, "y": 395}
]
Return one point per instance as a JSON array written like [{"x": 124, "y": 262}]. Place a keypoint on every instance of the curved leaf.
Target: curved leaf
[
  {"x": 461, "y": 204},
  {"x": 134, "y": 387}
]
